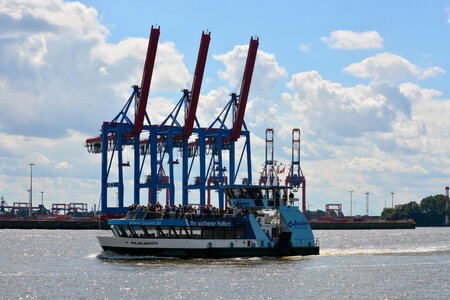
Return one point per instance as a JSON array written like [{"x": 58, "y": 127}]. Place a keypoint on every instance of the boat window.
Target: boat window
[
  {"x": 240, "y": 233},
  {"x": 130, "y": 215},
  {"x": 237, "y": 193},
  {"x": 219, "y": 233},
  {"x": 152, "y": 231},
  {"x": 276, "y": 194},
  {"x": 246, "y": 193},
  {"x": 269, "y": 194},
  {"x": 133, "y": 232},
  {"x": 208, "y": 233},
  {"x": 257, "y": 193},
  {"x": 182, "y": 232},
  {"x": 196, "y": 232},
  {"x": 259, "y": 202},
  {"x": 166, "y": 232},
  {"x": 153, "y": 215},
  {"x": 229, "y": 193},
  {"x": 126, "y": 231},
  {"x": 138, "y": 231},
  {"x": 229, "y": 233},
  {"x": 116, "y": 230},
  {"x": 174, "y": 232}
]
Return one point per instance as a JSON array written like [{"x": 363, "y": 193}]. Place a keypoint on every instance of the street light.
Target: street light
[
  {"x": 392, "y": 203},
  {"x": 367, "y": 203},
  {"x": 351, "y": 201},
  {"x": 30, "y": 209}
]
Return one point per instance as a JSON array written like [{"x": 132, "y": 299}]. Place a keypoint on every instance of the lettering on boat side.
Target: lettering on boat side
[
  {"x": 146, "y": 222},
  {"x": 211, "y": 223},
  {"x": 296, "y": 223},
  {"x": 143, "y": 243}
]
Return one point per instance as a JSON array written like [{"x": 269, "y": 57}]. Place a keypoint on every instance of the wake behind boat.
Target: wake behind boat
[{"x": 260, "y": 221}]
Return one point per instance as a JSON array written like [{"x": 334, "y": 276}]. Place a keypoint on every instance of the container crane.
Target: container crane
[
  {"x": 171, "y": 134},
  {"x": 163, "y": 138},
  {"x": 196, "y": 85},
  {"x": 295, "y": 176},
  {"x": 268, "y": 174},
  {"x": 141, "y": 103},
  {"x": 221, "y": 138},
  {"x": 245, "y": 88},
  {"x": 121, "y": 131}
]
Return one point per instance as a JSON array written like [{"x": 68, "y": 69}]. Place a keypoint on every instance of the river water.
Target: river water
[{"x": 354, "y": 264}]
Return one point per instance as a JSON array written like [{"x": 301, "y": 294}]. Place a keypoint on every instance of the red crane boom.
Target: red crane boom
[
  {"x": 245, "y": 88},
  {"x": 141, "y": 105},
  {"x": 196, "y": 84}
]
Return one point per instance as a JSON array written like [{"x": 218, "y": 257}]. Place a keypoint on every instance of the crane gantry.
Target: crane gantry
[{"x": 160, "y": 140}]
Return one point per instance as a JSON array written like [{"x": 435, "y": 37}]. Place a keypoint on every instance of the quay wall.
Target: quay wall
[
  {"x": 361, "y": 225},
  {"x": 95, "y": 224},
  {"x": 53, "y": 224}
]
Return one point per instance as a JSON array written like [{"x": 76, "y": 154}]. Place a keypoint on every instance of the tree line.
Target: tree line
[{"x": 430, "y": 212}]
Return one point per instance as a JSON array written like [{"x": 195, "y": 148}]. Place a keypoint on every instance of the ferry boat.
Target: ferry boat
[{"x": 259, "y": 221}]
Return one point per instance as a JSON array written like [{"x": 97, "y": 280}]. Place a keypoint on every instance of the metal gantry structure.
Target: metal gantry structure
[
  {"x": 268, "y": 175},
  {"x": 202, "y": 149},
  {"x": 295, "y": 177}
]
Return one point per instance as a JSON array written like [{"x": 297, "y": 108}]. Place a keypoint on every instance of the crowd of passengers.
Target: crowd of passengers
[{"x": 202, "y": 210}]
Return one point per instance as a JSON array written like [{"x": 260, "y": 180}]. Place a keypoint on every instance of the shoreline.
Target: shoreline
[{"x": 95, "y": 224}]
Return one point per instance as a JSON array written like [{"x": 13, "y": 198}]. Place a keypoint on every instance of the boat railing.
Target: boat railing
[{"x": 139, "y": 215}]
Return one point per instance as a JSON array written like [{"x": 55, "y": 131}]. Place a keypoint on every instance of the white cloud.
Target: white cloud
[
  {"x": 266, "y": 74},
  {"x": 59, "y": 51},
  {"x": 22, "y": 18},
  {"x": 380, "y": 163},
  {"x": 340, "y": 110},
  {"x": 305, "y": 47},
  {"x": 63, "y": 165},
  {"x": 350, "y": 40},
  {"x": 432, "y": 72},
  {"x": 390, "y": 67},
  {"x": 111, "y": 54},
  {"x": 211, "y": 104}
]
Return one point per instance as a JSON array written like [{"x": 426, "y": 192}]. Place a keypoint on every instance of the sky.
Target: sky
[{"x": 365, "y": 81}]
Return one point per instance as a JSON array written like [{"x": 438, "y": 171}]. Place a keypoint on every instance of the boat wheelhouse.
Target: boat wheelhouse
[{"x": 259, "y": 221}]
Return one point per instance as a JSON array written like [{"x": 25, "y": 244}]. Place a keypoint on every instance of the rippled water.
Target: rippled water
[{"x": 358, "y": 264}]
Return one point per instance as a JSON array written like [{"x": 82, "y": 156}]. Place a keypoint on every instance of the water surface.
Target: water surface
[{"x": 354, "y": 264}]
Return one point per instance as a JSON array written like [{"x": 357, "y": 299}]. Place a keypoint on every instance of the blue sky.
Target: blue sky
[{"x": 366, "y": 81}]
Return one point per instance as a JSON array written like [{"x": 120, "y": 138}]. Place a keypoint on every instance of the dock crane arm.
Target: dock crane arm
[
  {"x": 245, "y": 88},
  {"x": 141, "y": 105},
  {"x": 196, "y": 84}
]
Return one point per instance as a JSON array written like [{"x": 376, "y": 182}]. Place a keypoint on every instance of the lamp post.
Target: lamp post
[
  {"x": 392, "y": 199},
  {"x": 367, "y": 203},
  {"x": 30, "y": 209},
  {"x": 351, "y": 202}
]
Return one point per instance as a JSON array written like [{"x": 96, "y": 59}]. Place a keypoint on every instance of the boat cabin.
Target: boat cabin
[{"x": 259, "y": 197}]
